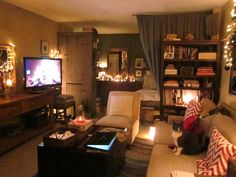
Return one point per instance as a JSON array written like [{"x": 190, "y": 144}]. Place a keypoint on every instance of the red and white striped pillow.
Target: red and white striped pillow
[
  {"x": 191, "y": 115},
  {"x": 218, "y": 153}
]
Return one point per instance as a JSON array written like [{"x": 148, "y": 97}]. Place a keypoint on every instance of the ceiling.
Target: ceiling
[{"x": 109, "y": 16}]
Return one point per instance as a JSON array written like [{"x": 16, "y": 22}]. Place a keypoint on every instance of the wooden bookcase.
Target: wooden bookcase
[{"x": 188, "y": 68}]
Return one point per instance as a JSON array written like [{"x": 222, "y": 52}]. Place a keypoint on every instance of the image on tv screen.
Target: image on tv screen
[{"x": 42, "y": 72}]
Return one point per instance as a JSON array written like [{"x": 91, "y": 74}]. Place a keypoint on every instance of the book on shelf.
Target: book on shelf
[
  {"x": 172, "y": 72},
  {"x": 178, "y": 173},
  {"x": 102, "y": 140},
  {"x": 171, "y": 83}
]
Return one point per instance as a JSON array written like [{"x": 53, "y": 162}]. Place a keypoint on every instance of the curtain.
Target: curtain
[{"x": 153, "y": 29}]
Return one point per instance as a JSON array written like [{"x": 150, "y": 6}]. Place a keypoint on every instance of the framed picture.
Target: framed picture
[
  {"x": 138, "y": 73},
  {"x": 44, "y": 47},
  {"x": 169, "y": 55},
  {"x": 139, "y": 63}
]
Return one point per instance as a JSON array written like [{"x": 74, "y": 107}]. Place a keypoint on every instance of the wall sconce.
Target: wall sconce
[{"x": 230, "y": 40}]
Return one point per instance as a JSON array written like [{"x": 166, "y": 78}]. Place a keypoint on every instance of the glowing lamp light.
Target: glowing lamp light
[
  {"x": 187, "y": 98},
  {"x": 103, "y": 65},
  {"x": 9, "y": 83},
  {"x": 152, "y": 132}
]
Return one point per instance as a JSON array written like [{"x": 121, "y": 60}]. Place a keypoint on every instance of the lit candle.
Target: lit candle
[{"x": 80, "y": 119}]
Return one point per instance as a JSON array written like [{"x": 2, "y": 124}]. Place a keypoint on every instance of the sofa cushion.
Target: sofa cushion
[
  {"x": 121, "y": 106},
  {"x": 163, "y": 161},
  {"x": 163, "y": 133},
  {"x": 226, "y": 126},
  {"x": 207, "y": 106},
  {"x": 218, "y": 153}
]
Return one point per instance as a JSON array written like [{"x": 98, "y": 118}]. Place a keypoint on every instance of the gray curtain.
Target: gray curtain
[{"x": 153, "y": 29}]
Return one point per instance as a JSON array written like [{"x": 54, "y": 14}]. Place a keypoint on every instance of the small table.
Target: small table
[{"x": 80, "y": 161}]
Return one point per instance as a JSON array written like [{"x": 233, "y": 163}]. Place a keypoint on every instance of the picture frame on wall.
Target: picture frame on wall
[
  {"x": 138, "y": 73},
  {"x": 139, "y": 63},
  {"x": 44, "y": 47}
]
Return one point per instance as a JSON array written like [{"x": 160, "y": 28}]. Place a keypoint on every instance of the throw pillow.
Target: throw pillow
[
  {"x": 218, "y": 153},
  {"x": 192, "y": 112}
]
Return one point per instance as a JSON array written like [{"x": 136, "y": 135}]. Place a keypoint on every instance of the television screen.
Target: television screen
[{"x": 39, "y": 72}]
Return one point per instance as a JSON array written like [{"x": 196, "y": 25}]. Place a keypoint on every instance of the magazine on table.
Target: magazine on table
[{"x": 101, "y": 140}]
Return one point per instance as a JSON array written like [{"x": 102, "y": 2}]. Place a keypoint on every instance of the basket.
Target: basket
[{"x": 55, "y": 137}]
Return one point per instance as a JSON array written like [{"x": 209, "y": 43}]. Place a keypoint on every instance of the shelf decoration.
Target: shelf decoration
[
  {"x": 230, "y": 39},
  {"x": 124, "y": 77},
  {"x": 7, "y": 65}
]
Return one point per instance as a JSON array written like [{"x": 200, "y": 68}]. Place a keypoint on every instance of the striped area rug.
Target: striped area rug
[{"x": 137, "y": 159}]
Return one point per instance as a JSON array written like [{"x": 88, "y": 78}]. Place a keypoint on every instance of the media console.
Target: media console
[{"x": 20, "y": 103}]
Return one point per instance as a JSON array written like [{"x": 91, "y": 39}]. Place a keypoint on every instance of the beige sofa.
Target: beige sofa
[
  {"x": 123, "y": 111},
  {"x": 163, "y": 160}
]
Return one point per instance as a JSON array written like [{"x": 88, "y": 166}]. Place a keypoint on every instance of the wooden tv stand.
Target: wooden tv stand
[{"x": 20, "y": 103}]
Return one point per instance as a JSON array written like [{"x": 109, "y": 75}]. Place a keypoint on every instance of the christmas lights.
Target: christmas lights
[{"x": 230, "y": 40}]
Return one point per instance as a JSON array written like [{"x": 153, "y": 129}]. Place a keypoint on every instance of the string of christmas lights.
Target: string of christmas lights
[{"x": 230, "y": 40}]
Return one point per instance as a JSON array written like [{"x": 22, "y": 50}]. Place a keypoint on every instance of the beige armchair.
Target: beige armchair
[{"x": 123, "y": 110}]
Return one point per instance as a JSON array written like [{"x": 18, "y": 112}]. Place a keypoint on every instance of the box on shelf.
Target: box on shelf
[{"x": 207, "y": 55}]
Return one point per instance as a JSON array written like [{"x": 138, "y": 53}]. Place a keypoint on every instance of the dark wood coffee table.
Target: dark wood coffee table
[{"x": 80, "y": 161}]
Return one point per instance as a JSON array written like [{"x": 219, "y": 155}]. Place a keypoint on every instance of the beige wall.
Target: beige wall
[
  {"x": 26, "y": 30},
  {"x": 225, "y": 96}
]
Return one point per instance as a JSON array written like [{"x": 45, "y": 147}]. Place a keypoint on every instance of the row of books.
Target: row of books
[
  {"x": 180, "y": 52},
  {"x": 201, "y": 71}
]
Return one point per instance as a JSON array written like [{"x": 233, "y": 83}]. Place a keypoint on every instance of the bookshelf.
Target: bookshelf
[{"x": 189, "y": 70}]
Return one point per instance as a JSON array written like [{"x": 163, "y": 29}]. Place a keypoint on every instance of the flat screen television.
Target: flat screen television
[{"x": 42, "y": 73}]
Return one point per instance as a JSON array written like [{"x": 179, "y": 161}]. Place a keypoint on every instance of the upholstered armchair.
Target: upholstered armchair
[{"x": 123, "y": 111}]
